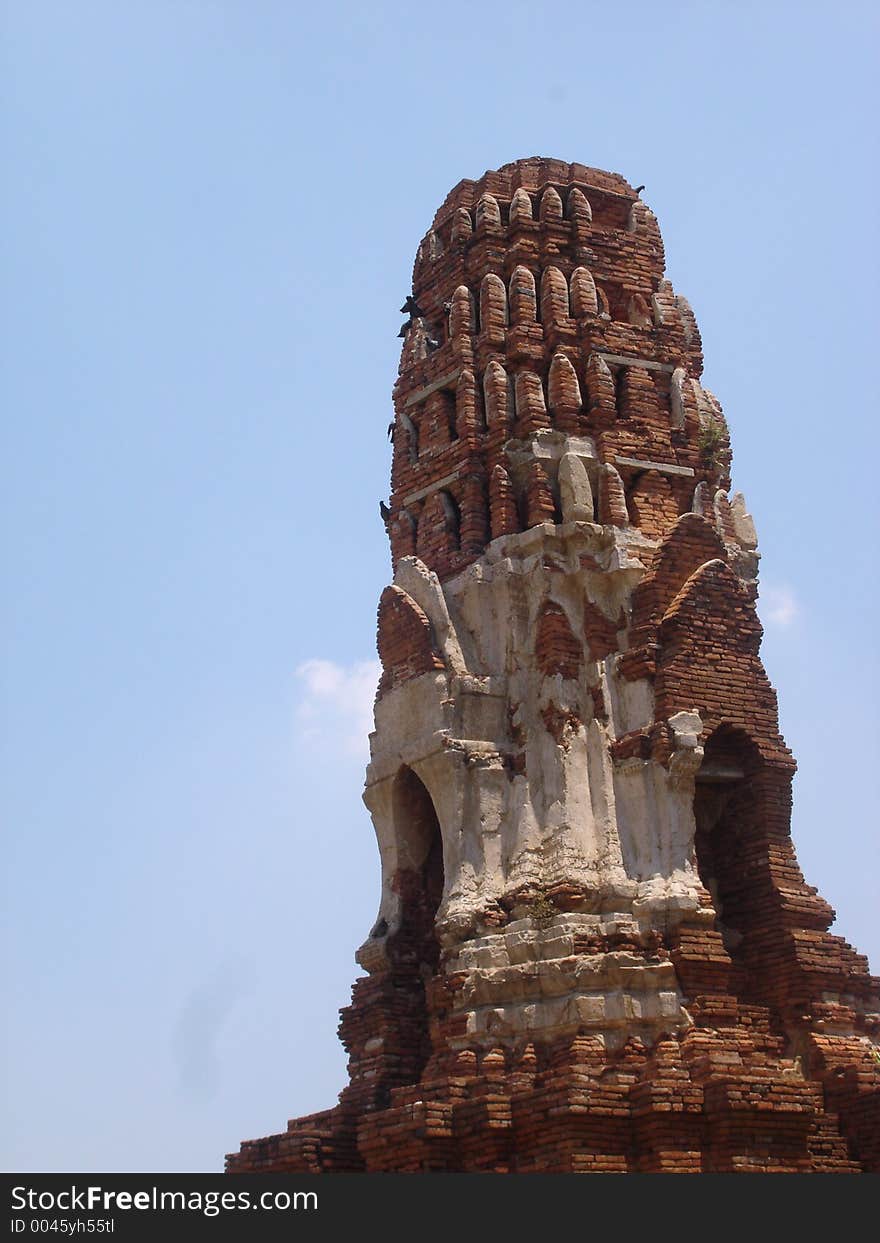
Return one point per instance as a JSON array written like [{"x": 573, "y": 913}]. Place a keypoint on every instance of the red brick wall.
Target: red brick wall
[
  {"x": 509, "y": 295},
  {"x": 556, "y": 648},
  {"x": 405, "y": 642}
]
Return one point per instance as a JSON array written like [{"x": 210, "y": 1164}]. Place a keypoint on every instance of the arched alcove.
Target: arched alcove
[
  {"x": 724, "y": 814},
  {"x": 420, "y": 877}
]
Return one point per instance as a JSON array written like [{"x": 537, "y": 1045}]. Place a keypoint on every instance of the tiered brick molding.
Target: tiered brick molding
[{"x": 595, "y": 950}]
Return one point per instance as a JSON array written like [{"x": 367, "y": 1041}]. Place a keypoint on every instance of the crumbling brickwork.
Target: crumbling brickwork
[{"x": 595, "y": 949}]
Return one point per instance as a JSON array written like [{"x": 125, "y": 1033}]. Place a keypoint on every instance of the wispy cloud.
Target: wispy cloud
[
  {"x": 335, "y": 703},
  {"x": 199, "y": 1024},
  {"x": 779, "y": 605}
]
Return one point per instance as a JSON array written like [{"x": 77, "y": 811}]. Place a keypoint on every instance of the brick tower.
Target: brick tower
[{"x": 595, "y": 950}]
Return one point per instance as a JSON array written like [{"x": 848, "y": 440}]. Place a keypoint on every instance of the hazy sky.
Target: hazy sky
[{"x": 209, "y": 220}]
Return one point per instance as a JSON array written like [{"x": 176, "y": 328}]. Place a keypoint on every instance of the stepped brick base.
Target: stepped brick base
[{"x": 738, "y": 1090}]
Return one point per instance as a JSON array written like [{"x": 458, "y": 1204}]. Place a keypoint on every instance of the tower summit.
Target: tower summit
[{"x": 595, "y": 950}]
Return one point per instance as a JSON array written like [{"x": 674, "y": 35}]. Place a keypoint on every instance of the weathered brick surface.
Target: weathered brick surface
[
  {"x": 556, "y": 648},
  {"x": 405, "y": 643},
  {"x": 502, "y": 502},
  {"x": 513, "y": 291},
  {"x": 601, "y": 631},
  {"x": 688, "y": 546},
  {"x": 544, "y": 327},
  {"x": 652, "y": 504},
  {"x": 709, "y": 640}
]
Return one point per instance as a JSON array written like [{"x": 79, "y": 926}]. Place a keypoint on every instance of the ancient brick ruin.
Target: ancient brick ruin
[{"x": 595, "y": 950}]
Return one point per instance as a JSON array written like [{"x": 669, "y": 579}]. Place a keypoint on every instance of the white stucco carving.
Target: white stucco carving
[{"x": 529, "y": 800}]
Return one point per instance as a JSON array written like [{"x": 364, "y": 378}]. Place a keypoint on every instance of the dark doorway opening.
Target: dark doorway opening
[
  {"x": 420, "y": 878},
  {"x": 723, "y": 811}
]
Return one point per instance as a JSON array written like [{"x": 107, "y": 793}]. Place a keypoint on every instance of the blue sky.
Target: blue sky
[{"x": 209, "y": 222}]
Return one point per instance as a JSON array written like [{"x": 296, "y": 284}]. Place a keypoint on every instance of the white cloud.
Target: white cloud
[
  {"x": 335, "y": 704},
  {"x": 779, "y": 605}
]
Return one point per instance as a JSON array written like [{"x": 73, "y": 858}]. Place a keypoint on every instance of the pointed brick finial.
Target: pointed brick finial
[
  {"x": 539, "y": 499},
  {"x": 462, "y": 225},
  {"x": 493, "y": 308},
  {"x": 461, "y": 314},
  {"x": 564, "y": 393},
  {"x": 466, "y": 420},
  {"x": 529, "y": 1059},
  {"x": 724, "y": 516},
  {"x": 583, "y": 293},
  {"x": 488, "y": 212},
  {"x": 612, "y": 498},
  {"x": 600, "y": 387},
  {"x": 520, "y": 206},
  {"x": 493, "y": 1062},
  {"x": 702, "y": 501},
  {"x": 497, "y": 395},
  {"x": 578, "y": 207},
  {"x": 466, "y": 1062},
  {"x": 554, "y": 296},
  {"x": 523, "y": 300},
  {"x": 551, "y": 205},
  {"x": 677, "y": 396},
  {"x": 461, "y": 323},
  {"x": 531, "y": 408},
  {"x": 502, "y": 503},
  {"x": 692, "y": 337}
]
